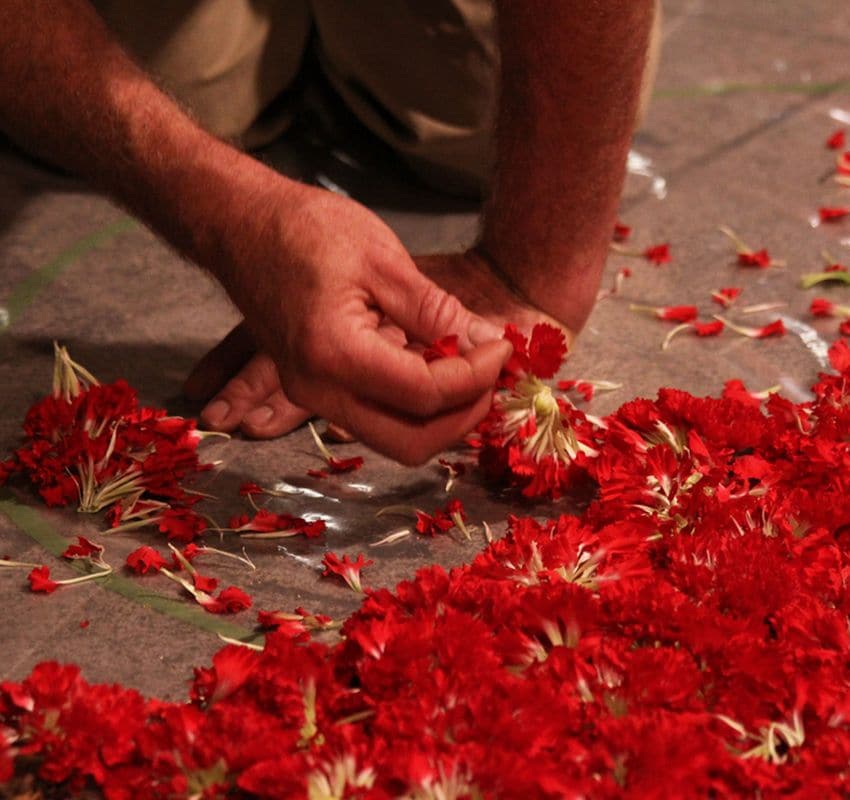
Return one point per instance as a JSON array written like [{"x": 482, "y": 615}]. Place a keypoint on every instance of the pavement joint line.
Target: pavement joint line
[
  {"x": 723, "y": 89},
  {"x": 738, "y": 141},
  {"x": 32, "y": 522},
  {"x": 27, "y": 289}
]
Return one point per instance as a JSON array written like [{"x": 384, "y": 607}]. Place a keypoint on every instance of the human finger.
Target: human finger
[
  {"x": 220, "y": 364},
  {"x": 427, "y": 312},
  {"x": 243, "y": 393},
  {"x": 276, "y": 416},
  {"x": 408, "y": 440},
  {"x": 374, "y": 369}
]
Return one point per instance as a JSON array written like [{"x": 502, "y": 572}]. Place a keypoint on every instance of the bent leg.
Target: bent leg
[
  {"x": 423, "y": 77},
  {"x": 229, "y": 62}
]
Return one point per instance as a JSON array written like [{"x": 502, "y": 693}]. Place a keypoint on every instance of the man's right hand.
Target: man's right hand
[
  {"x": 241, "y": 385},
  {"x": 333, "y": 300},
  {"x": 315, "y": 275}
]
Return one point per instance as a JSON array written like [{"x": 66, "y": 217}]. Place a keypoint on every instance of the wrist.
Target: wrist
[{"x": 561, "y": 283}]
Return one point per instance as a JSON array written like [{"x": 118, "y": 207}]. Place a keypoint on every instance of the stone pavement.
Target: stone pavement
[{"x": 735, "y": 136}]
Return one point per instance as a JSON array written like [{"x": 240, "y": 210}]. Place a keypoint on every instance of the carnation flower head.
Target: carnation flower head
[{"x": 533, "y": 419}]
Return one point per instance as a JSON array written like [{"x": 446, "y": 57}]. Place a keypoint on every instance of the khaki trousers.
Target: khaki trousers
[{"x": 421, "y": 75}]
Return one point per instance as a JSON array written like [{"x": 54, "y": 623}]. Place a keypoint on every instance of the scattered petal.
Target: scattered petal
[
  {"x": 726, "y": 296},
  {"x": 833, "y": 214},
  {"x": 621, "y": 231},
  {"x": 837, "y": 140},
  {"x": 145, "y": 560},
  {"x": 346, "y": 569}
]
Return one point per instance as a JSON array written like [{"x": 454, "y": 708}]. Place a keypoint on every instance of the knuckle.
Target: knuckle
[
  {"x": 240, "y": 387},
  {"x": 258, "y": 377},
  {"x": 439, "y": 310}
]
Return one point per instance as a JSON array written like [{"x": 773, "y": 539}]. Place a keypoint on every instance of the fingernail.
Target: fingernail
[
  {"x": 259, "y": 416},
  {"x": 216, "y": 411},
  {"x": 480, "y": 331}
]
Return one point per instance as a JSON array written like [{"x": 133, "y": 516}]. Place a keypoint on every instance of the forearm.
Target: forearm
[
  {"x": 570, "y": 84},
  {"x": 70, "y": 94}
]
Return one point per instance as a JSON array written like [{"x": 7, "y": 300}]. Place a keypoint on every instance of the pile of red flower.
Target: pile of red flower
[
  {"x": 687, "y": 635},
  {"x": 94, "y": 445}
]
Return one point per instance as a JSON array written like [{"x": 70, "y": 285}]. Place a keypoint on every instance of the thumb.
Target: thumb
[{"x": 427, "y": 312}]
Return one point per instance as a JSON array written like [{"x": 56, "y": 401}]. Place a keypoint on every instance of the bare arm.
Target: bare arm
[
  {"x": 570, "y": 85},
  {"x": 313, "y": 273}
]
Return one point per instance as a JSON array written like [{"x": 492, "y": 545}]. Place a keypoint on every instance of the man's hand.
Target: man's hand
[
  {"x": 332, "y": 297},
  {"x": 315, "y": 275},
  {"x": 245, "y": 387}
]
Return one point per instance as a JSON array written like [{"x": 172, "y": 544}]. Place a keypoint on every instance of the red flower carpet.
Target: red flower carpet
[{"x": 686, "y": 635}]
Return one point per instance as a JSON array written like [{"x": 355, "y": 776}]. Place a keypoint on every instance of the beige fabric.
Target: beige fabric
[
  {"x": 227, "y": 61},
  {"x": 421, "y": 75},
  {"x": 431, "y": 93}
]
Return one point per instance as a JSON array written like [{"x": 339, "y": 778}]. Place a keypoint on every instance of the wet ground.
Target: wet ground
[{"x": 746, "y": 96}]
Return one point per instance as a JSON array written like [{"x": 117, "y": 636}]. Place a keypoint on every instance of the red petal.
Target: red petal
[
  {"x": 345, "y": 464},
  {"x": 839, "y": 356},
  {"x": 40, "y": 581},
  {"x": 546, "y": 350},
  {"x": 712, "y": 328},
  {"x": 658, "y": 254},
  {"x": 621, "y": 231},
  {"x": 678, "y": 313},
  {"x": 442, "y": 348},
  {"x": 756, "y": 258},
  {"x": 775, "y": 328},
  {"x": 821, "y": 307},
  {"x": 833, "y": 214},
  {"x": 837, "y": 140}
]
